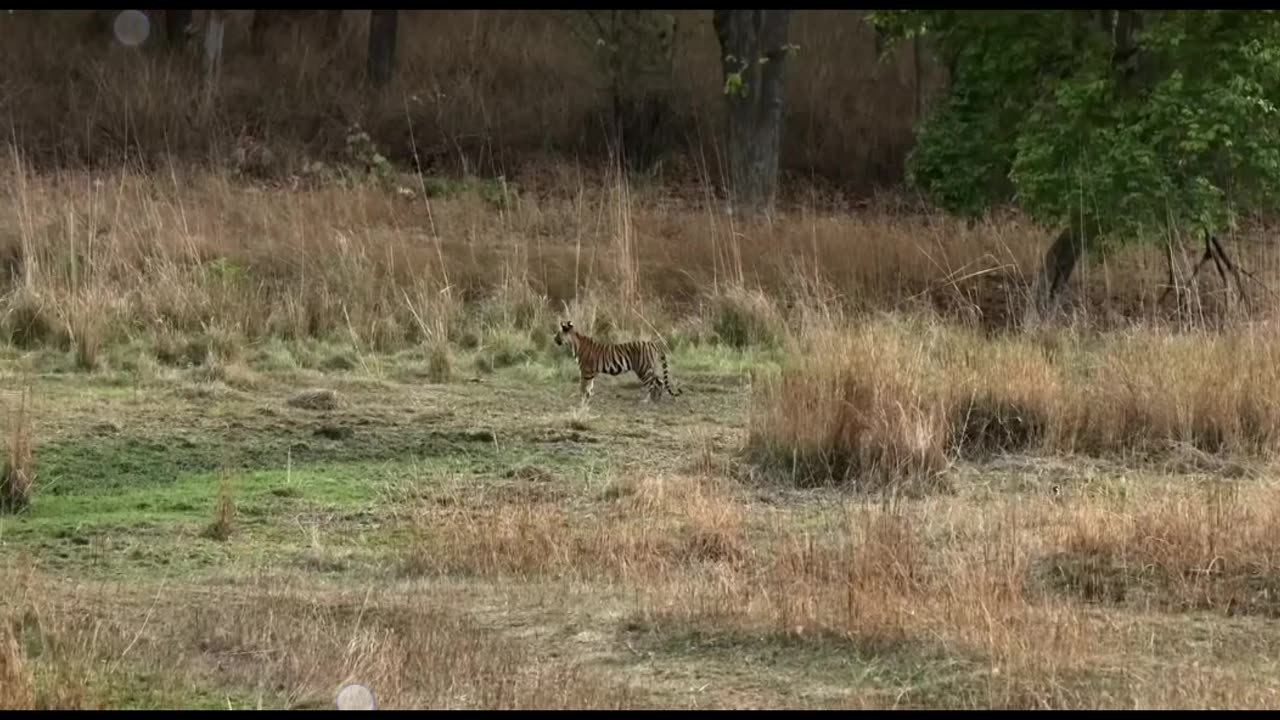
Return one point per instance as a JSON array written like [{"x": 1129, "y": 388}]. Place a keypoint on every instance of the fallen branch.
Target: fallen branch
[{"x": 1214, "y": 251}]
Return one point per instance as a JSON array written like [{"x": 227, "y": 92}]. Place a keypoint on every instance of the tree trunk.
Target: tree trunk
[
  {"x": 98, "y": 26},
  {"x": 615, "y": 89},
  {"x": 214, "y": 29},
  {"x": 1055, "y": 272},
  {"x": 1126, "y": 60},
  {"x": 918, "y": 106},
  {"x": 332, "y": 26},
  {"x": 382, "y": 46},
  {"x": 267, "y": 23},
  {"x": 753, "y": 46},
  {"x": 263, "y": 21},
  {"x": 176, "y": 23}
]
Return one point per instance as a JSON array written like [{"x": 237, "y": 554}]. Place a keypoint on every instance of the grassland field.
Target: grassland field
[{"x": 282, "y": 440}]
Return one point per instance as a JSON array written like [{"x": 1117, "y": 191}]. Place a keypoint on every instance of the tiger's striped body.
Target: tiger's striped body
[{"x": 639, "y": 356}]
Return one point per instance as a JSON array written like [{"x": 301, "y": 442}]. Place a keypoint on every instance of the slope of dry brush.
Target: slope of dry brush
[{"x": 475, "y": 89}]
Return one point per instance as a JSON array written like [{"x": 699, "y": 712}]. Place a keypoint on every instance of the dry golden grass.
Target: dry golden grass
[
  {"x": 17, "y": 472},
  {"x": 202, "y": 264},
  {"x": 993, "y": 587},
  {"x": 224, "y": 513},
  {"x": 441, "y": 367},
  {"x": 902, "y": 397},
  {"x": 18, "y": 691},
  {"x": 646, "y": 529},
  {"x": 1209, "y": 548},
  {"x": 874, "y": 576}
]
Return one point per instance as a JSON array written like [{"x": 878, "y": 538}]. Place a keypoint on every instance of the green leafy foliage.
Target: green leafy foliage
[
  {"x": 1049, "y": 109},
  {"x": 362, "y": 152},
  {"x": 734, "y": 83}
]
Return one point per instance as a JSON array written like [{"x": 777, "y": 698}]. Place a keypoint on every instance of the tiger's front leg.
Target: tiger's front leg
[{"x": 585, "y": 386}]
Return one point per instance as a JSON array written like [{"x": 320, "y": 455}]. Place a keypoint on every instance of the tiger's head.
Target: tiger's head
[{"x": 566, "y": 334}]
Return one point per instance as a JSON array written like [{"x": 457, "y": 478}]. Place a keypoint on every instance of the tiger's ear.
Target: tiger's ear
[{"x": 567, "y": 325}]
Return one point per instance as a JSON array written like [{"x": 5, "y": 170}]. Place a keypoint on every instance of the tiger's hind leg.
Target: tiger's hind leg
[
  {"x": 650, "y": 384},
  {"x": 654, "y": 393}
]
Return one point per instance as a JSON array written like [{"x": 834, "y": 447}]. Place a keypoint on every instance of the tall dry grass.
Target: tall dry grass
[
  {"x": 15, "y": 675},
  {"x": 17, "y": 471},
  {"x": 656, "y": 533},
  {"x": 696, "y": 553},
  {"x": 648, "y": 529},
  {"x": 982, "y": 601},
  {"x": 96, "y": 258},
  {"x": 900, "y": 398},
  {"x": 1211, "y": 548}
]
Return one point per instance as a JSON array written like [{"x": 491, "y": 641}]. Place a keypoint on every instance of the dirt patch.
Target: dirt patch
[
  {"x": 567, "y": 437},
  {"x": 334, "y": 432},
  {"x": 314, "y": 399},
  {"x": 530, "y": 473},
  {"x": 1110, "y": 579}
]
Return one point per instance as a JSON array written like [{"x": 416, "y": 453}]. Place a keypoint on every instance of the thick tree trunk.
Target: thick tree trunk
[
  {"x": 268, "y": 23},
  {"x": 214, "y": 29},
  {"x": 1127, "y": 58},
  {"x": 332, "y": 26},
  {"x": 753, "y": 47},
  {"x": 176, "y": 23},
  {"x": 382, "y": 46},
  {"x": 918, "y": 99},
  {"x": 97, "y": 24},
  {"x": 263, "y": 22},
  {"x": 1059, "y": 263}
]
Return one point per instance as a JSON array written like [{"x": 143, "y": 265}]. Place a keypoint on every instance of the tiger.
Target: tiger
[{"x": 595, "y": 357}]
